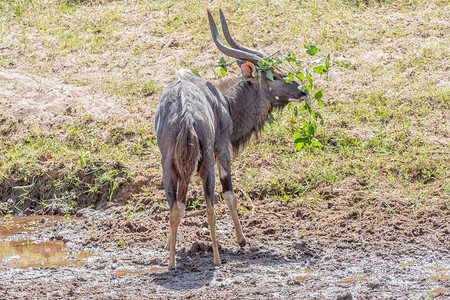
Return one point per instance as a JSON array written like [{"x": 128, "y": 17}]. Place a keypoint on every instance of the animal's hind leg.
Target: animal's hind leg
[
  {"x": 181, "y": 212},
  {"x": 177, "y": 210},
  {"x": 223, "y": 162},
  {"x": 174, "y": 222},
  {"x": 208, "y": 187},
  {"x": 170, "y": 187}
]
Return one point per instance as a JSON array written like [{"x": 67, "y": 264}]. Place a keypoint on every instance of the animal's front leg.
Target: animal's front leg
[
  {"x": 231, "y": 202},
  {"x": 208, "y": 187},
  {"x": 223, "y": 163}
]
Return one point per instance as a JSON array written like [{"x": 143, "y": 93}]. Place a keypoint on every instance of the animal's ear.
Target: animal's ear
[{"x": 248, "y": 71}]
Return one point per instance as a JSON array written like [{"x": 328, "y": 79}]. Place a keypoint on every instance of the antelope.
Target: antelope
[{"x": 198, "y": 124}]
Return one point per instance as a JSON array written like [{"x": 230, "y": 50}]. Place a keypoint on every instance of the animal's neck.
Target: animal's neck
[{"x": 249, "y": 109}]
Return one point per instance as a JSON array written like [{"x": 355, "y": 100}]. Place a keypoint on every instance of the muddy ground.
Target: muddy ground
[
  {"x": 353, "y": 244},
  {"x": 112, "y": 255}
]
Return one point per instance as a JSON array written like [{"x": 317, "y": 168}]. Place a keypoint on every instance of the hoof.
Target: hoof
[
  {"x": 218, "y": 262},
  {"x": 242, "y": 243}
]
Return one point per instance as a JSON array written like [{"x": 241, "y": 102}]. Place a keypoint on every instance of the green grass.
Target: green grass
[{"x": 386, "y": 99}]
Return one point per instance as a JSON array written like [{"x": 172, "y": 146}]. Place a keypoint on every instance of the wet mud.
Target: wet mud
[{"x": 107, "y": 254}]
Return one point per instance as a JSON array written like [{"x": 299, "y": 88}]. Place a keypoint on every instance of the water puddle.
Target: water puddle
[
  {"x": 352, "y": 279},
  {"x": 438, "y": 268},
  {"x": 127, "y": 272},
  {"x": 13, "y": 225},
  {"x": 26, "y": 253},
  {"x": 439, "y": 290},
  {"x": 438, "y": 276},
  {"x": 408, "y": 263},
  {"x": 134, "y": 272},
  {"x": 303, "y": 278}
]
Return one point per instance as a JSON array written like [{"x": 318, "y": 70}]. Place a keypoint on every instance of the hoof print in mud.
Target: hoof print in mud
[{"x": 197, "y": 247}]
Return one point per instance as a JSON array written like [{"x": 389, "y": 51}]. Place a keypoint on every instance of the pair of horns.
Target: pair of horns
[{"x": 236, "y": 50}]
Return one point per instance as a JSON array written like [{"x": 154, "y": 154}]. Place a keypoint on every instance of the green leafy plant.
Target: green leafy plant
[
  {"x": 223, "y": 66},
  {"x": 303, "y": 71},
  {"x": 305, "y": 137}
]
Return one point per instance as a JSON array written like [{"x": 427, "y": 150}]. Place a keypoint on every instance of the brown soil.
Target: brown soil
[
  {"x": 43, "y": 102},
  {"x": 292, "y": 253}
]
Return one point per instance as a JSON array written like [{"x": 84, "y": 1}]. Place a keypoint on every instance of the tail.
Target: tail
[{"x": 186, "y": 153}]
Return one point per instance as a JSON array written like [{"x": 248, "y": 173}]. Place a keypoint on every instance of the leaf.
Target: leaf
[
  {"x": 311, "y": 131},
  {"x": 318, "y": 95},
  {"x": 222, "y": 61},
  {"x": 275, "y": 61},
  {"x": 312, "y": 128},
  {"x": 314, "y": 114},
  {"x": 316, "y": 143},
  {"x": 311, "y": 50},
  {"x": 261, "y": 63},
  {"x": 291, "y": 57},
  {"x": 320, "y": 70},
  {"x": 309, "y": 78},
  {"x": 319, "y": 115},
  {"x": 223, "y": 71},
  {"x": 307, "y": 104},
  {"x": 300, "y": 142},
  {"x": 300, "y": 146},
  {"x": 290, "y": 77},
  {"x": 195, "y": 72},
  {"x": 300, "y": 75},
  {"x": 269, "y": 75},
  {"x": 320, "y": 102}
]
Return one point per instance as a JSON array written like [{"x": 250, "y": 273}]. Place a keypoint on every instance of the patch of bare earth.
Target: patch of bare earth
[
  {"x": 324, "y": 253},
  {"x": 46, "y": 102}
]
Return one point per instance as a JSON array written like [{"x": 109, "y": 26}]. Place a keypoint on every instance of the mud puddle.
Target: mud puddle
[
  {"x": 12, "y": 225},
  {"x": 30, "y": 254},
  {"x": 18, "y": 249}
]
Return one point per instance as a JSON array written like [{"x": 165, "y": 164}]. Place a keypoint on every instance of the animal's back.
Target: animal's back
[
  {"x": 183, "y": 103},
  {"x": 186, "y": 119}
]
